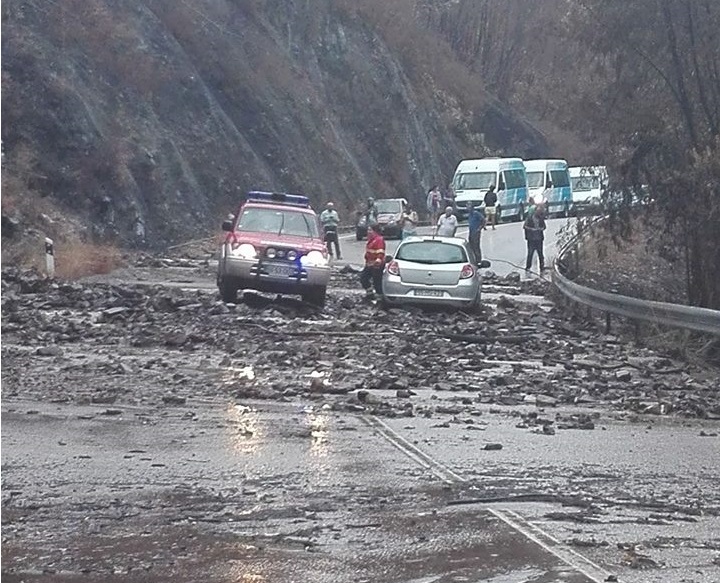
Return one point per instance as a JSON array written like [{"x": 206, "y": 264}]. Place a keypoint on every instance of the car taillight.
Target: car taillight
[
  {"x": 467, "y": 271},
  {"x": 393, "y": 268}
]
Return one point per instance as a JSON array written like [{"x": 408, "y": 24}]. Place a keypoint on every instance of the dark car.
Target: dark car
[
  {"x": 389, "y": 217},
  {"x": 274, "y": 244}
]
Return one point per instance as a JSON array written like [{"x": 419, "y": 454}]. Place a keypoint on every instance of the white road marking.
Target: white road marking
[{"x": 530, "y": 531}]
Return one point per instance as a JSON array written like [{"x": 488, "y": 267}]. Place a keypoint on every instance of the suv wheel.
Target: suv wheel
[
  {"x": 228, "y": 292},
  {"x": 315, "y": 296}
]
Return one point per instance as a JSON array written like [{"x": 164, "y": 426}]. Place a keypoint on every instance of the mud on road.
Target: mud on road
[{"x": 152, "y": 433}]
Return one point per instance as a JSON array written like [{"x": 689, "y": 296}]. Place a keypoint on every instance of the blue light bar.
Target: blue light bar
[{"x": 278, "y": 197}]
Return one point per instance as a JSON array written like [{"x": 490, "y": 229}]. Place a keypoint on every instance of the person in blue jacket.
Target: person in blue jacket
[{"x": 476, "y": 224}]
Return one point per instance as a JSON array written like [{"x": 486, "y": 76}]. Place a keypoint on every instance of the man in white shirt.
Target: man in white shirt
[{"x": 447, "y": 223}]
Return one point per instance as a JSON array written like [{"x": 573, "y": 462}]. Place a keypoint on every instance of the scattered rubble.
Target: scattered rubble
[{"x": 509, "y": 354}]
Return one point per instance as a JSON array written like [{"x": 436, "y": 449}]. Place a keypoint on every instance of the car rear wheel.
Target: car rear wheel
[
  {"x": 228, "y": 292},
  {"x": 315, "y": 296}
]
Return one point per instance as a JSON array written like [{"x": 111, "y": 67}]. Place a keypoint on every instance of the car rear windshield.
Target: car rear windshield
[
  {"x": 431, "y": 252},
  {"x": 278, "y": 222}
]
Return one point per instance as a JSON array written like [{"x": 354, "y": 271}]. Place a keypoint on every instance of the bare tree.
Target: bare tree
[{"x": 661, "y": 58}]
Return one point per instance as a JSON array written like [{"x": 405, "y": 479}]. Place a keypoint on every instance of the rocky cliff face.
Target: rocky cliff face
[{"x": 147, "y": 119}]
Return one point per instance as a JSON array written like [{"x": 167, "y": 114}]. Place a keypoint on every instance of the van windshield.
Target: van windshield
[
  {"x": 536, "y": 179},
  {"x": 515, "y": 179},
  {"x": 559, "y": 178},
  {"x": 582, "y": 183},
  {"x": 475, "y": 180}
]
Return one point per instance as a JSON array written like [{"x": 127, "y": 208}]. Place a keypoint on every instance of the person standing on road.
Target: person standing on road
[
  {"x": 409, "y": 222},
  {"x": 434, "y": 198},
  {"x": 490, "y": 202},
  {"x": 449, "y": 196},
  {"x": 330, "y": 220},
  {"x": 447, "y": 223},
  {"x": 371, "y": 212},
  {"x": 534, "y": 228},
  {"x": 476, "y": 224},
  {"x": 371, "y": 275}
]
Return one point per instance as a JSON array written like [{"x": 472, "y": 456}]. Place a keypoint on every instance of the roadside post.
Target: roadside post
[{"x": 49, "y": 257}]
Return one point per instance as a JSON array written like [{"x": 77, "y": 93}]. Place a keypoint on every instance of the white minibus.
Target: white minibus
[
  {"x": 473, "y": 178},
  {"x": 549, "y": 184},
  {"x": 588, "y": 185}
]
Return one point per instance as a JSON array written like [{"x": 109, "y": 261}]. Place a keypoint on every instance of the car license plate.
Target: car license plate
[
  {"x": 279, "y": 270},
  {"x": 430, "y": 293}
]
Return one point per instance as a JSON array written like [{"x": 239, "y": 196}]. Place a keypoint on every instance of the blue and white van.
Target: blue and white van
[
  {"x": 473, "y": 178},
  {"x": 549, "y": 184}
]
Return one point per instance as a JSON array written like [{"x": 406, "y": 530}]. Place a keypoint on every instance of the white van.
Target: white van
[
  {"x": 549, "y": 184},
  {"x": 588, "y": 185},
  {"x": 473, "y": 178}
]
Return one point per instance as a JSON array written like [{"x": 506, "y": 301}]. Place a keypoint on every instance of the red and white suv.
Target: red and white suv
[{"x": 274, "y": 243}]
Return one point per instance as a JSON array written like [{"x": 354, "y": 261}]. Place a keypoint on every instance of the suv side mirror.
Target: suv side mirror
[
  {"x": 388, "y": 259},
  {"x": 227, "y": 225},
  {"x": 484, "y": 264}
]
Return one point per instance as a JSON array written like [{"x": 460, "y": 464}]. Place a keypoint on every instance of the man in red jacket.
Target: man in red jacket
[{"x": 374, "y": 262}]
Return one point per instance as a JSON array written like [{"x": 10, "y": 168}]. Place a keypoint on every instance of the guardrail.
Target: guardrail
[{"x": 662, "y": 313}]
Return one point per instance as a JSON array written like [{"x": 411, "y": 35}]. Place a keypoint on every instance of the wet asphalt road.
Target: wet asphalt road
[
  {"x": 294, "y": 494},
  {"x": 219, "y": 486}
]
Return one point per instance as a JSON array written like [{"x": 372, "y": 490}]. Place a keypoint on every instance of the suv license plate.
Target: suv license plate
[
  {"x": 431, "y": 293},
  {"x": 279, "y": 270}
]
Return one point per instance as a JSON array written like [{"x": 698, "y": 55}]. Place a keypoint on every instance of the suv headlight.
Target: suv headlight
[
  {"x": 244, "y": 251},
  {"x": 313, "y": 259}
]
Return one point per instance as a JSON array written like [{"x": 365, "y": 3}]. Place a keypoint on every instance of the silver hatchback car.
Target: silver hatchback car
[{"x": 433, "y": 271}]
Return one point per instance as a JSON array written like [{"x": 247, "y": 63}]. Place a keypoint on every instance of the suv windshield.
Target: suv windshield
[
  {"x": 278, "y": 221},
  {"x": 388, "y": 206},
  {"x": 431, "y": 252}
]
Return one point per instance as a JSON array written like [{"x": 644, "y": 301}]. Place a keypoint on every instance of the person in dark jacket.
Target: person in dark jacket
[
  {"x": 534, "y": 228},
  {"x": 476, "y": 223},
  {"x": 490, "y": 202}
]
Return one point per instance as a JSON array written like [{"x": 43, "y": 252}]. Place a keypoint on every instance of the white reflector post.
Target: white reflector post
[{"x": 49, "y": 257}]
